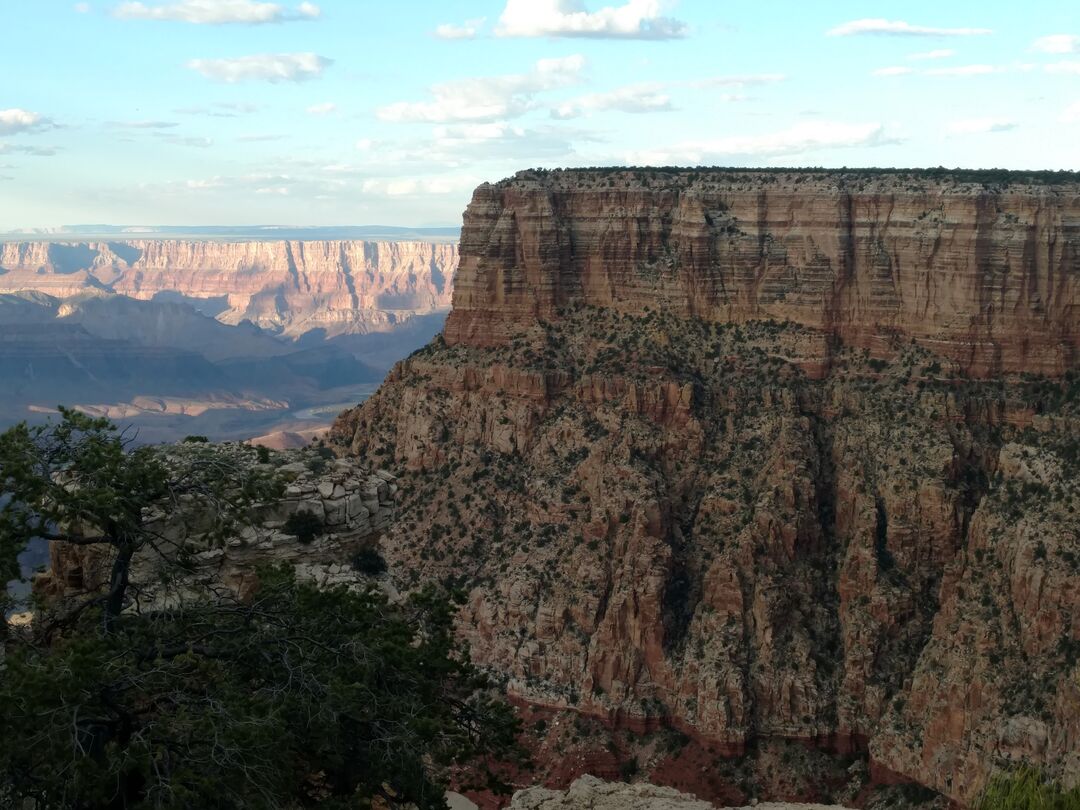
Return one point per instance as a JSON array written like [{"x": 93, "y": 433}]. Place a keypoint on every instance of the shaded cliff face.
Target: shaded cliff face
[
  {"x": 668, "y": 512},
  {"x": 345, "y": 287},
  {"x": 987, "y": 276}
]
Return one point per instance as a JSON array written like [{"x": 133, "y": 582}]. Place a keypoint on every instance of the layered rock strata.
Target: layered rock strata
[
  {"x": 834, "y": 528},
  {"x": 985, "y": 274},
  {"x": 289, "y": 286}
]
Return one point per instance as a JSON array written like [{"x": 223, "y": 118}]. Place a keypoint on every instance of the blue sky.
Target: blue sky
[{"x": 367, "y": 112}]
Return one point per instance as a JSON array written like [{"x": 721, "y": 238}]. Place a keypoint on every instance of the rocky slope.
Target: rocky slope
[
  {"x": 339, "y": 287},
  {"x": 743, "y": 456},
  {"x": 590, "y": 793}
]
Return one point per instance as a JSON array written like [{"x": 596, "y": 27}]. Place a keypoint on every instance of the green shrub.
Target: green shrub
[{"x": 1027, "y": 789}]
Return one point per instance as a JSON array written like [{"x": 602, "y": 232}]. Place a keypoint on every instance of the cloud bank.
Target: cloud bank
[
  {"x": 217, "y": 12},
  {"x": 267, "y": 67},
  {"x": 635, "y": 19}
]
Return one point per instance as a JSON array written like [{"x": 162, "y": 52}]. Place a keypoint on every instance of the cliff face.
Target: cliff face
[
  {"x": 985, "y": 276},
  {"x": 295, "y": 287},
  {"x": 668, "y": 512}
]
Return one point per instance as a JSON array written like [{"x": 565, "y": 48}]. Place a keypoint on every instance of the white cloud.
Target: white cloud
[
  {"x": 940, "y": 53},
  {"x": 143, "y": 124},
  {"x": 1067, "y": 67},
  {"x": 1058, "y": 43},
  {"x": 326, "y": 108},
  {"x": 641, "y": 98},
  {"x": 268, "y": 67},
  {"x": 806, "y": 136},
  {"x": 82, "y": 8},
  {"x": 16, "y": 120},
  {"x": 634, "y": 19},
  {"x": 1071, "y": 114},
  {"x": 879, "y": 25},
  {"x": 898, "y": 70},
  {"x": 976, "y": 126},
  {"x": 488, "y": 98},
  {"x": 216, "y": 12},
  {"x": 467, "y": 31},
  {"x": 412, "y": 186},
  {"x": 963, "y": 70}
]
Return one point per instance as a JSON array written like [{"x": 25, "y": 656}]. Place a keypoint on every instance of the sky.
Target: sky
[{"x": 244, "y": 112}]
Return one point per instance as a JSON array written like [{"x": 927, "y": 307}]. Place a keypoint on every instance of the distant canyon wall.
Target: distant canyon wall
[
  {"x": 988, "y": 276},
  {"x": 342, "y": 287}
]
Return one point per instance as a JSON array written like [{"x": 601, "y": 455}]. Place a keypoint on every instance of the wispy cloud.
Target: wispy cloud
[
  {"x": 195, "y": 141},
  {"x": 268, "y": 67},
  {"x": 634, "y": 19},
  {"x": 740, "y": 80},
  {"x": 976, "y": 126},
  {"x": 220, "y": 109},
  {"x": 895, "y": 70},
  {"x": 216, "y": 12},
  {"x": 468, "y": 30},
  {"x": 963, "y": 70},
  {"x": 1067, "y": 67},
  {"x": 940, "y": 53},
  {"x": 35, "y": 151},
  {"x": 806, "y": 136},
  {"x": 1058, "y": 43},
  {"x": 15, "y": 120},
  {"x": 143, "y": 124},
  {"x": 641, "y": 98},
  {"x": 878, "y": 25},
  {"x": 958, "y": 70},
  {"x": 1071, "y": 114},
  {"x": 325, "y": 108},
  {"x": 488, "y": 98},
  {"x": 259, "y": 138},
  {"x": 82, "y": 8}
]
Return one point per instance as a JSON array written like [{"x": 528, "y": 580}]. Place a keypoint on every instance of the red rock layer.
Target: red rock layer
[
  {"x": 346, "y": 286},
  {"x": 986, "y": 275}
]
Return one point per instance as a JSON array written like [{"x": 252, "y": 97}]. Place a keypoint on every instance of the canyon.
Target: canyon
[
  {"x": 292, "y": 287},
  {"x": 765, "y": 482},
  {"x": 226, "y": 339}
]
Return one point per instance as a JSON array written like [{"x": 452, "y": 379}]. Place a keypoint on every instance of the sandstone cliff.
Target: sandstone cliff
[
  {"x": 986, "y": 275},
  {"x": 340, "y": 287},
  {"x": 837, "y": 528}
]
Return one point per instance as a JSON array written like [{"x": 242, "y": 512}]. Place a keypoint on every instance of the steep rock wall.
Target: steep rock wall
[
  {"x": 986, "y": 275},
  {"x": 338, "y": 286}
]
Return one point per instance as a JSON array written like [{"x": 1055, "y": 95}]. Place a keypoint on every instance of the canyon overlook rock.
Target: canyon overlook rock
[
  {"x": 340, "y": 287},
  {"x": 746, "y": 458},
  {"x": 983, "y": 274}
]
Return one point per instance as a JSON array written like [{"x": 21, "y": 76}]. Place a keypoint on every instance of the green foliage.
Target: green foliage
[
  {"x": 305, "y": 525},
  {"x": 77, "y": 481},
  {"x": 196, "y": 440},
  {"x": 263, "y": 454},
  {"x": 298, "y": 697},
  {"x": 1027, "y": 789},
  {"x": 292, "y": 697}
]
